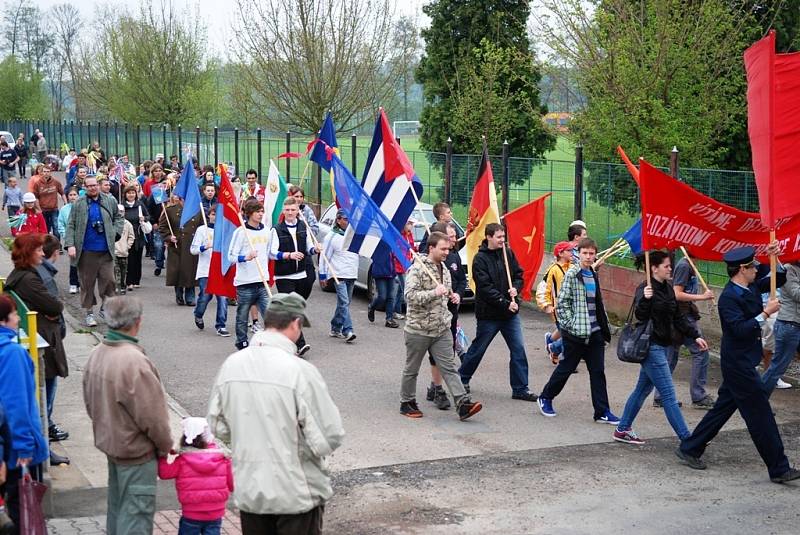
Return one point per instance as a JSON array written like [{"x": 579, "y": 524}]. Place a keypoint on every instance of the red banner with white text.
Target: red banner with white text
[{"x": 674, "y": 214}]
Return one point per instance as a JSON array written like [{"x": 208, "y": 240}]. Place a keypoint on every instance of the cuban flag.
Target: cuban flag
[
  {"x": 222, "y": 271},
  {"x": 388, "y": 180}
]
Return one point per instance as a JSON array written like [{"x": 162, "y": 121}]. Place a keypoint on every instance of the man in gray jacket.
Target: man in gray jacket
[{"x": 93, "y": 226}]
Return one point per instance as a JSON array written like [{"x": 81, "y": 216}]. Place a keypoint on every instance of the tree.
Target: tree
[
  {"x": 305, "y": 57},
  {"x": 21, "y": 87},
  {"x": 65, "y": 23},
  {"x": 656, "y": 74},
  {"x": 406, "y": 39},
  {"x": 145, "y": 70},
  {"x": 26, "y": 37}
]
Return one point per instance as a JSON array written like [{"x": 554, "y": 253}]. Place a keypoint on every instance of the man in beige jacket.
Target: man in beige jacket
[
  {"x": 127, "y": 404},
  {"x": 274, "y": 411}
]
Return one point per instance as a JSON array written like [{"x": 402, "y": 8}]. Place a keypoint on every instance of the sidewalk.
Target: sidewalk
[{"x": 81, "y": 485}]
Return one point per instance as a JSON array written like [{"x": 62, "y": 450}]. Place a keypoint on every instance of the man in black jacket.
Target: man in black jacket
[{"x": 496, "y": 310}]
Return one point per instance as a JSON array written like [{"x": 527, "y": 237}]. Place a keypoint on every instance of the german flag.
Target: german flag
[{"x": 482, "y": 211}]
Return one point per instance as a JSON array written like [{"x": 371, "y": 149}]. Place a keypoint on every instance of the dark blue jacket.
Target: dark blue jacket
[
  {"x": 741, "y": 332},
  {"x": 383, "y": 266},
  {"x": 18, "y": 397}
]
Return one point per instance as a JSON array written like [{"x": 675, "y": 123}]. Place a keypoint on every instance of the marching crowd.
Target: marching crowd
[{"x": 114, "y": 216}]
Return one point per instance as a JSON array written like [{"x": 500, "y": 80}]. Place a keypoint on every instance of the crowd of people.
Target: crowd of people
[{"x": 110, "y": 216}]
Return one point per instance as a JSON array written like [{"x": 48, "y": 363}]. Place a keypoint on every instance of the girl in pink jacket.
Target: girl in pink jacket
[{"x": 203, "y": 478}]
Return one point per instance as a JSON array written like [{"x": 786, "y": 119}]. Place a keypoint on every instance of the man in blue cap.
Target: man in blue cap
[{"x": 741, "y": 316}]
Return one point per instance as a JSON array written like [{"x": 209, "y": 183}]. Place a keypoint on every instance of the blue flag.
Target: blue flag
[
  {"x": 327, "y": 134},
  {"x": 366, "y": 219},
  {"x": 634, "y": 237},
  {"x": 187, "y": 189}
]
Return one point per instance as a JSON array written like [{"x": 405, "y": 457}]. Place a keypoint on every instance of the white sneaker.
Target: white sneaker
[
  {"x": 73, "y": 289},
  {"x": 782, "y": 385},
  {"x": 256, "y": 327},
  {"x": 90, "y": 321}
]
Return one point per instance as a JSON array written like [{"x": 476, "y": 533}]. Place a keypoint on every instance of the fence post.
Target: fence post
[
  {"x": 89, "y": 134},
  {"x": 258, "y": 154},
  {"x": 150, "y": 133},
  {"x": 116, "y": 138},
  {"x": 504, "y": 183},
  {"x": 673, "y": 163},
  {"x": 108, "y": 145},
  {"x": 353, "y": 157},
  {"x": 579, "y": 182},
  {"x": 448, "y": 172},
  {"x": 137, "y": 143},
  {"x": 236, "y": 150},
  {"x": 126, "y": 145},
  {"x": 216, "y": 146},
  {"x": 197, "y": 143},
  {"x": 319, "y": 187},
  {"x": 167, "y": 153},
  {"x": 288, "y": 160},
  {"x": 180, "y": 144}
]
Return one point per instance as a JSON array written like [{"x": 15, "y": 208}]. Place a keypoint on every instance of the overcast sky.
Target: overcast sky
[{"x": 221, "y": 12}]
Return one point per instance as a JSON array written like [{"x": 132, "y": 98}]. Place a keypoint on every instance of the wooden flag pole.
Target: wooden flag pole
[
  {"x": 317, "y": 244},
  {"x": 253, "y": 248},
  {"x": 613, "y": 247},
  {"x": 508, "y": 271},
  {"x": 694, "y": 268},
  {"x": 647, "y": 268},
  {"x": 419, "y": 259},
  {"x": 169, "y": 225},
  {"x": 773, "y": 266}
]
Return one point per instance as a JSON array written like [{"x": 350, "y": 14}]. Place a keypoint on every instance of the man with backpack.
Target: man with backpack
[{"x": 547, "y": 296}]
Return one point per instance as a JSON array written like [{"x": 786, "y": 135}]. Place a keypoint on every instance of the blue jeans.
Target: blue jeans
[
  {"x": 199, "y": 527},
  {"x": 655, "y": 371},
  {"x": 187, "y": 294},
  {"x": 202, "y": 302},
  {"x": 697, "y": 382},
  {"x": 51, "y": 220},
  {"x": 341, "y": 322},
  {"x": 399, "y": 299},
  {"x": 511, "y": 329},
  {"x": 787, "y": 338},
  {"x": 386, "y": 294},
  {"x": 248, "y": 295},
  {"x": 158, "y": 249},
  {"x": 50, "y": 386}
]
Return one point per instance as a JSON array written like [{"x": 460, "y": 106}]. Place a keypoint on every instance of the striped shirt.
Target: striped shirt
[{"x": 591, "y": 291}]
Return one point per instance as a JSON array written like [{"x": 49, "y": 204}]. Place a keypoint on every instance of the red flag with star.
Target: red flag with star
[{"x": 525, "y": 236}]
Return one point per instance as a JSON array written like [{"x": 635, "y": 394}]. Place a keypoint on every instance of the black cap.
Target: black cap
[{"x": 741, "y": 256}]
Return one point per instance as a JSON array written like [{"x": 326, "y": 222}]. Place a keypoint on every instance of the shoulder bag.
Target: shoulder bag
[{"x": 634, "y": 339}]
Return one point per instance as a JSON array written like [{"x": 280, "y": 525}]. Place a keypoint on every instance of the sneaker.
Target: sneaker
[
  {"x": 157, "y": 272},
  {"x": 371, "y": 315},
  {"x": 607, "y": 418},
  {"x": 410, "y": 409},
  {"x": 790, "y": 475},
  {"x": 399, "y": 316},
  {"x": 73, "y": 289},
  {"x": 658, "y": 404},
  {"x": 695, "y": 463},
  {"x": 440, "y": 399},
  {"x": 255, "y": 327},
  {"x": 466, "y": 389},
  {"x": 90, "y": 321},
  {"x": 223, "y": 332},
  {"x": 527, "y": 396},
  {"x": 430, "y": 395},
  {"x": 101, "y": 314},
  {"x": 303, "y": 350},
  {"x": 350, "y": 337},
  {"x": 704, "y": 404},
  {"x": 546, "y": 407},
  {"x": 130, "y": 287},
  {"x": 58, "y": 460},
  {"x": 137, "y": 286},
  {"x": 56, "y": 434},
  {"x": 335, "y": 334},
  {"x": 392, "y": 324},
  {"x": 782, "y": 385},
  {"x": 627, "y": 437},
  {"x": 199, "y": 322},
  {"x": 468, "y": 409},
  {"x": 548, "y": 339}
]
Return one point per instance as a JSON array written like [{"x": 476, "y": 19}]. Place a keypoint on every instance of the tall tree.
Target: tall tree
[
  {"x": 406, "y": 39},
  {"x": 449, "y": 73},
  {"x": 307, "y": 56},
  {"x": 21, "y": 87},
  {"x": 146, "y": 68},
  {"x": 65, "y": 24}
]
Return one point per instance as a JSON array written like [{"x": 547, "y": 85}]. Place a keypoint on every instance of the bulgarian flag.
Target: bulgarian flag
[
  {"x": 482, "y": 211},
  {"x": 276, "y": 192}
]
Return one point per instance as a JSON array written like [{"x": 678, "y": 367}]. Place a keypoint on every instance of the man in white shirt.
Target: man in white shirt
[
  {"x": 337, "y": 260},
  {"x": 201, "y": 245}
]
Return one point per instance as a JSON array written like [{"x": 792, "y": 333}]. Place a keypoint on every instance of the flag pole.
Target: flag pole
[
  {"x": 611, "y": 251},
  {"x": 694, "y": 267},
  {"x": 647, "y": 267},
  {"x": 418, "y": 258},
  {"x": 773, "y": 266},
  {"x": 253, "y": 248},
  {"x": 169, "y": 225},
  {"x": 317, "y": 244}
]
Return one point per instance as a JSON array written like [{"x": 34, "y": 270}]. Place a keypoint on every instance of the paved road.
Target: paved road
[{"x": 509, "y": 470}]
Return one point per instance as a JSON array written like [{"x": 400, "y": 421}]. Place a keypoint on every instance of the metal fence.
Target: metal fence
[{"x": 608, "y": 201}]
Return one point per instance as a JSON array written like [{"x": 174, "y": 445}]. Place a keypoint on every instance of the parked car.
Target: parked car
[{"x": 364, "y": 280}]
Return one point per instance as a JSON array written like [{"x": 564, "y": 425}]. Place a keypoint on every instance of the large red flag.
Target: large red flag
[
  {"x": 525, "y": 236},
  {"x": 773, "y": 123},
  {"x": 222, "y": 271}
]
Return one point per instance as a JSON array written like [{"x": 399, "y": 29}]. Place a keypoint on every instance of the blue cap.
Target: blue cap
[{"x": 740, "y": 256}]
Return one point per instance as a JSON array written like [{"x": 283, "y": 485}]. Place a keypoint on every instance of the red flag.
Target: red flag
[
  {"x": 525, "y": 236},
  {"x": 773, "y": 124},
  {"x": 631, "y": 168},
  {"x": 221, "y": 271},
  {"x": 395, "y": 161}
]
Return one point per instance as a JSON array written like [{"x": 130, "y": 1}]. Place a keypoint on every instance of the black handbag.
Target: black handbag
[{"x": 634, "y": 339}]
